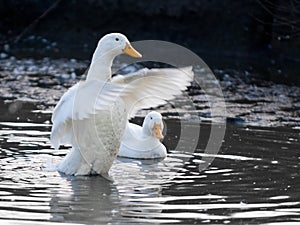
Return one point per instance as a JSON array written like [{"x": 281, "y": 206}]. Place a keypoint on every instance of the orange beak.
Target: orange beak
[
  {"x": 129, "y": 50},
  {"x": 157, "y": 131}
]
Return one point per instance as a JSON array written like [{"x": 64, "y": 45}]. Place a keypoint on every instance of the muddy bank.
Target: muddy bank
[{"x": 28, "y": 84}]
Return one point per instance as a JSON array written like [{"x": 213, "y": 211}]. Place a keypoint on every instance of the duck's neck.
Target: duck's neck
[
  {"x": 146, "y": 130},
  {"x": 100, "y": 68}
]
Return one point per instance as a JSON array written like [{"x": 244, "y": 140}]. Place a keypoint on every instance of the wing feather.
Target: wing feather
[
  {"x": 153, "y": 87},
  {"x": 80, "y": 102},
  {"x": 143, "y": 89}
]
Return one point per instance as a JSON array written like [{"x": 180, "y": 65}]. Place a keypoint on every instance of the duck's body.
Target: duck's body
[
  {"x": 141, "y": 142},
  {"x": 96, "y": 142},
  {"x": 92, "y": 115}
]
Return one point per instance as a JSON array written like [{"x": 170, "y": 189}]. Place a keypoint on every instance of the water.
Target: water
[{"x": 254, "y": 179}]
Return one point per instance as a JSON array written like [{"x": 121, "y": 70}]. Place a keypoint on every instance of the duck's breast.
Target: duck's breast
[{"x": 99, "y": 136}]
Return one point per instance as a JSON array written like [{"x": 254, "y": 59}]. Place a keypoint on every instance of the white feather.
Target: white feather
[
  {"x": 84, "y": 99},
  {"x": 153, "y": 87}
]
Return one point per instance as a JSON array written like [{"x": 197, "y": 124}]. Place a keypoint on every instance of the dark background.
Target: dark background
[{"x": 255, "y": 35}]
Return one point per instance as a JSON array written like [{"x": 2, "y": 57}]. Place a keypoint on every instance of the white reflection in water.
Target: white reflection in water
[
  {"x": 20, "y": 124},
  {"x": 262, "y": 213}
]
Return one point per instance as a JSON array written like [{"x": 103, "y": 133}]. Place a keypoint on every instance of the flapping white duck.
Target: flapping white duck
[{"x": 92, "y": 115}]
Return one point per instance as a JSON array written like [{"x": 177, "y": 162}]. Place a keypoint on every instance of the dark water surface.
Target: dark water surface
[{"x": 254, "y": 179}]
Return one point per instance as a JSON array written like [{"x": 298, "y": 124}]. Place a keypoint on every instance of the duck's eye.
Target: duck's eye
[
  {"x": 117, "y": 39},
  {"x": 151, "y": 118}
]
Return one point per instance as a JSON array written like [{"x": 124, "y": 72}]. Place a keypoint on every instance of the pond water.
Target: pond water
[{"x": 254, "y": 179}]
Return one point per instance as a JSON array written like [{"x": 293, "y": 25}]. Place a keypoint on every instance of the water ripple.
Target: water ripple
[{"x": 248, "y": 183}]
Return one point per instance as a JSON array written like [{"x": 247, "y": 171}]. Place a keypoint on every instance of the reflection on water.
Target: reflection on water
[{"x": 253, "y": 180}]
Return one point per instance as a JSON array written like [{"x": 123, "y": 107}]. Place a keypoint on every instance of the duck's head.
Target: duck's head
[
  {"x": 114, "y": 44},
  {"x": 153, "y": 125}
]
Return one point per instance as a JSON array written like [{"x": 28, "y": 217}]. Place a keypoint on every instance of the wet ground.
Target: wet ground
[
  {"x": 254, "y": 178},
  {"x": 249, "y": 100}
]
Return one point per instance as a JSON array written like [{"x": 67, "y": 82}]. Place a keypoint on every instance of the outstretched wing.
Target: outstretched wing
[
  {"x": 79, "y": 102},
  {"x": 144, "y": 89},
  {"x": 153, "y": 87}
]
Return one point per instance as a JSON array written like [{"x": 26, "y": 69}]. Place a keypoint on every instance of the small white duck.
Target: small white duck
[
  {"x": 92, "y": 115},
  {"x": 143, "y": 142}
]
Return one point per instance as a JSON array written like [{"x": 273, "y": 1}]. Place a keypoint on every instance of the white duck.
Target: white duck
[
  {"x": 143, "y": 142},
  {"x": 92, "y": 115}
]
